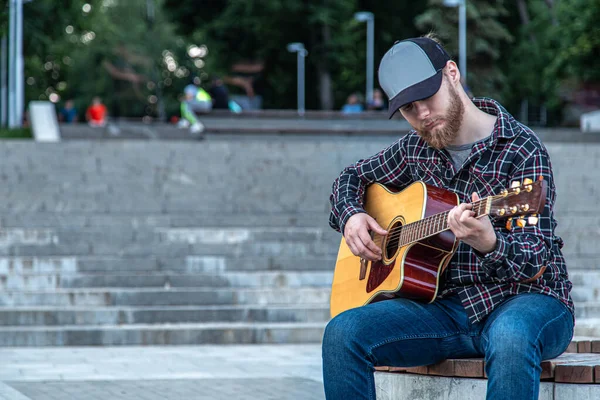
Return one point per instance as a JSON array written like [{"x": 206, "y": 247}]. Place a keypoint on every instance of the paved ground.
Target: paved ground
[{"x": 257, "y": 372}]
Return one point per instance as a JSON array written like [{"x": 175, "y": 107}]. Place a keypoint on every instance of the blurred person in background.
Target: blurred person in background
[
  {"x": 247, "y": 75},
  {"x": 378, "y": 102},
  {"x": 195, "y": 101},
  {"x": 96, "y": 113},
  {"x": 68, "y": 114},
  {"x": 219, "y": 94},
  {"x": 353, "y": 105}
]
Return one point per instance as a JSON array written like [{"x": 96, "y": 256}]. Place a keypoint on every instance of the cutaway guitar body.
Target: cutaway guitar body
[
  {"x": 412, "y": 270},
  {"x": 419, "y": 243}
]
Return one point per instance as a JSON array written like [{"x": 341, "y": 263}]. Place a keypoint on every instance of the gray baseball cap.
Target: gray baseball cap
[{"x": 411, "y": 70}]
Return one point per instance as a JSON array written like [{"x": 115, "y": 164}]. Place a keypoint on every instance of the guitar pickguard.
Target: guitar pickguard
[{"x": 379, "y": 273}]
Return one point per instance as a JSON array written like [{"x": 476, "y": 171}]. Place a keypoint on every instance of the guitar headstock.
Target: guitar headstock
[{"x": 528, "y": 198}]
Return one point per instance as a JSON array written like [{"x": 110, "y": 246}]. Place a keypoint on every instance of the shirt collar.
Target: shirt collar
[{"x": 506, "y": 126}]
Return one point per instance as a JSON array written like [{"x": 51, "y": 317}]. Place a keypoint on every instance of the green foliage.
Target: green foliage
[
  {"x": 71, "y": 53},
  {"x": 253, "y": 29},
  {"x": 529, "y": 57},
  {"x": 67, "y": 48},
  {"x": 3, "y": 17},
  {"x": 24, "y": 133},
  {"x": 577, "y": 33},
  {"x": 556, "y": 52},
  {"x": 575, "y": 44},
  {"x": 485, "y": 35}
]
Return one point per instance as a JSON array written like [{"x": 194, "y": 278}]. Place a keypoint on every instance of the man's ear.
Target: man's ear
[{"x": 452, "y": 72}]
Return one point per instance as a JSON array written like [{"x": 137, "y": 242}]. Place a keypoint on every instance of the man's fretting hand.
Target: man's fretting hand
[{"x": 477, "y": 233}]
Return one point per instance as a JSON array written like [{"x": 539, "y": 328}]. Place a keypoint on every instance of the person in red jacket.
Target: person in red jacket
[{"x": 96, "y": 113}]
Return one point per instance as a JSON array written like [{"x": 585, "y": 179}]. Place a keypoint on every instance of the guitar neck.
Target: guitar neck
[{"x": 437, "y": 223}]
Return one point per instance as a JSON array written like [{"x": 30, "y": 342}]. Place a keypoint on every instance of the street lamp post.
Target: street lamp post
[
  {"x": 462, "y": 34},
  {"x": 15, "y": 70},
  {"x": 302, "y": 53},
  {"x": 3, "y": 88},
  {"x": 365, "y": 16}
]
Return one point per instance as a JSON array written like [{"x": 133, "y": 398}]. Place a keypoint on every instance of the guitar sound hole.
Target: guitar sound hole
[{"x": 391, "y": 246}]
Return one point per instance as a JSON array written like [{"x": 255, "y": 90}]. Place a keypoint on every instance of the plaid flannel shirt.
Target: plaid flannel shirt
[{"x": 512, "y": 153}]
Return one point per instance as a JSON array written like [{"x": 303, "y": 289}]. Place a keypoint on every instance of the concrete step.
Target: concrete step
[
  {"x": 586, "y": 285},
  {"x": 165, "y": 297},
  {"x": 288, "y": 279},
  {"x": 191, "y": 235},
  {"x": 588, "y": 309},
  {"x": 138, "y": 221},
  {"x": 53, "y": 316},
  {"x": 262, "y": 241},
  {"x": 163, "y": 334},
  {"x": 587, "y": 327},
  {"x": 407, "y": 386},
  {"x": 182, "y": 264}
]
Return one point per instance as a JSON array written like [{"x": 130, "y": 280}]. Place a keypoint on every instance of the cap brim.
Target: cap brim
[{"x": 416, "y": 92}]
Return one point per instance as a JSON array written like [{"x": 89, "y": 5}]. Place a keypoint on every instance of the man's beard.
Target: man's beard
[{"x": 441, "y": 137}]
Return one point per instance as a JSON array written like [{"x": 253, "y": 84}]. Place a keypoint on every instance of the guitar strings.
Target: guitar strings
[{"x": 396, "y": 233}]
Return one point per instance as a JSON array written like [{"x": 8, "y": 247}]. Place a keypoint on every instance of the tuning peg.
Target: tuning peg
[
  {"x": 516, "y": 187},
  {"x": 509, "y": 224},
  {"x": 533, "y": 219},
  {"x": 521, "y": 222},
  {"x": 513, "y": 209},
  {"x": 527, "y": 181},
  {"x": 524, "y": 207},
  {"x": 504, "y": 193}
]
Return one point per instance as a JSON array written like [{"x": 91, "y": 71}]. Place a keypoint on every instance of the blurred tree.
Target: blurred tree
[
  {"x": 555, "y": 54},
  {"x": 529, "y": 56},
  {"x": 109, "y": 48},
  {"x": 578, "y": 34},
  {"x": 486, "y": 33},
  {"x": 252, "y": 29},
  {"x": 3, "y": 17},
  {"x": 114, "y": 49},
  {"x": 575, "y": 35}
]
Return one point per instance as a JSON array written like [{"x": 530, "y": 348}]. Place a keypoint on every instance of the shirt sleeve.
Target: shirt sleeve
[
  {"x": 522, "y": 253},
  {"x": 388, "y": 167}
]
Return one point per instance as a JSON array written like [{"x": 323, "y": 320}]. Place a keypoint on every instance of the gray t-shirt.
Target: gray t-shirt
[{"x": 461, "y": 152}]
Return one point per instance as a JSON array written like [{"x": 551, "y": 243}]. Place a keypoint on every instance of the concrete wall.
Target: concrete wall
[
  {"x": 156, "y": 234},
  {"x": 285, "y": 178}
]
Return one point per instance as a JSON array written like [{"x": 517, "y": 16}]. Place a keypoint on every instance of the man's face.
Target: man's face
[{"x": 436, "y": 119}]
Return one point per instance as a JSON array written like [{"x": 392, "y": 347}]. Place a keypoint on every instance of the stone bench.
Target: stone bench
[{"x": 573, "y": 375}]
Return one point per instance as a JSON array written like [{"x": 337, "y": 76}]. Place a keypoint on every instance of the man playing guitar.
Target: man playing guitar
[{"x": 505, "y": 293}]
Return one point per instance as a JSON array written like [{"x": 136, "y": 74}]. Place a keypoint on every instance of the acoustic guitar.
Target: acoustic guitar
[{"x": 419, "y": 243}]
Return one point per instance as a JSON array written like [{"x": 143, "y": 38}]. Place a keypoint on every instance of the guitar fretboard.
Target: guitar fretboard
[{"x": 432, "y": 225}]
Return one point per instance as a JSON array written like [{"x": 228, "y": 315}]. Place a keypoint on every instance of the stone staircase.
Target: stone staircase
[
  {"x": 140, "y": 243},
  {"x": 223, "y": 241},
  {"x": 136, "y": 281},
  {"x": 586, "y": 295}
]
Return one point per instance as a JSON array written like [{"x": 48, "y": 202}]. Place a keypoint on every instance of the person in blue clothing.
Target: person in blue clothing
[
  {"x": 195, "y": 101},
  {"x": 68, "y": 114},
  {"x": 353, "y": 105}
]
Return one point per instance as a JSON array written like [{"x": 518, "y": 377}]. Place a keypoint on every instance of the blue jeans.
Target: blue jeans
[{"x": 513, "y": 339}]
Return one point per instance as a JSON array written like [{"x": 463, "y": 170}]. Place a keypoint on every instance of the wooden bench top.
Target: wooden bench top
[{"x": 579, "y": 364}]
